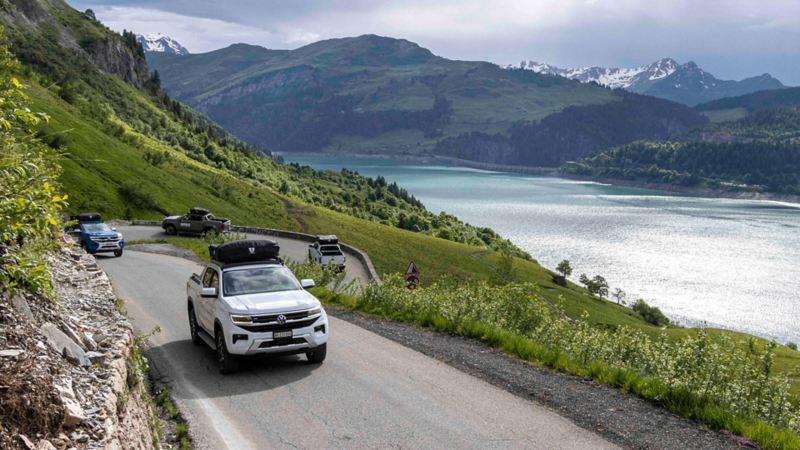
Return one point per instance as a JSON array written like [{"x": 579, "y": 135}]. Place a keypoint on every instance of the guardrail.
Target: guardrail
[{"x": 358, "y": 254}]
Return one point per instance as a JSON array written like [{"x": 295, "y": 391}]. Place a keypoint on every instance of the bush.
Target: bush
[
  {"x": 137, "y": 197},
  {"x": 791, "y": 345},
  {"x": 156, "y": 158},
  {"x": 29, "y": 201},
  {"x": 650, "y": 314},
  {"x": 53, "y": 139}
]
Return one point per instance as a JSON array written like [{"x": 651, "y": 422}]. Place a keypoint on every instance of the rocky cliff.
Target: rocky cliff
[{"x": 77, "y": 32}]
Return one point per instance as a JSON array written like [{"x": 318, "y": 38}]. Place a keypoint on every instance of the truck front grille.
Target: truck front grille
[
  {"x": 280, "y": 327},
  {"x": 105, "y": 239}
]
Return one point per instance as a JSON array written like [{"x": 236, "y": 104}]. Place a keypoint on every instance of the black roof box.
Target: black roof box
[
  {"x": 86, "y": 217},
  {"x": 199, "y": 211},
  {"x": 248, "y": 250},
  {"x": 327, "y": 239}
]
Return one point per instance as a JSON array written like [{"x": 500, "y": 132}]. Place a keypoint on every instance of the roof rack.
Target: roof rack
[
  {"x": 327, "y": 239},
  {"x": 223, "y": 266},
  {"x": 86, "y": 217}
]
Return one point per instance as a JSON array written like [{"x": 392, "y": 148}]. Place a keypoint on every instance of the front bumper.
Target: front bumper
[
  {"x": 105, "y": 246},
  {"x": 248, "y": 343}
]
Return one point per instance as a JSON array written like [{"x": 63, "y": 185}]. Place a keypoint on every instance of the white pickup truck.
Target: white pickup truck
[
  {"x": 246, "y": 303},
  {"x": 326, "y": 251}
]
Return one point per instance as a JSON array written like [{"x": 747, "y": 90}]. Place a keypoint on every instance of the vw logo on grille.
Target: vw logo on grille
[
  {"x": 281, "y": 319},
  {"x": 252, "y": 250}
]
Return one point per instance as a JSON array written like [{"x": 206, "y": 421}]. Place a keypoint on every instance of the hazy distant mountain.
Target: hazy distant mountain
[
  {"x": 373, "y": 94},
  {"x": 161, "y": 43},
  {"x": 665, "y": 78}
]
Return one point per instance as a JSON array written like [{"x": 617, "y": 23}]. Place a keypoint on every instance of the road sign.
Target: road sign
[{"x": 412, "y": 276}]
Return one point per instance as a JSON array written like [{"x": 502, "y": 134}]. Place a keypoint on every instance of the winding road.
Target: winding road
[{"x": 370, "y": 392}]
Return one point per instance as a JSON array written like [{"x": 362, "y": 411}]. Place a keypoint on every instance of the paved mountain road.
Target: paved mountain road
[
  {"x": 370, "y": 393},
  {"x": 291, "y": 248}
]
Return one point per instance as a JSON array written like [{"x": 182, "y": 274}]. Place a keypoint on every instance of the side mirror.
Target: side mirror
[
  {"x": 307, "y": 283},
  {"x": 113, "y": 229},
  {"x": 208, "y": 292}
]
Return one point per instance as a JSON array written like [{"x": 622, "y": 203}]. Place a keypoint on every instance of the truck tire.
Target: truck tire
[
  {"x": 207, "y": 231},
  {"x": 171, "y": 230},
  {"x": 193, "y": 327},
  {"x": 317, "y": 355},
  {"x": 227, "y": 363},
  {"x": 117, "y": 253}
]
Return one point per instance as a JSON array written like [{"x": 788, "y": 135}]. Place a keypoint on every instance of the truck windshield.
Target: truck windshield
[
  {"x": 258, "y": 280},
  {"x": 95, "y": 227}
]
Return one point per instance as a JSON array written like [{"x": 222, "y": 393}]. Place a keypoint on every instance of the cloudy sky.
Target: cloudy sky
[{"x": 732, "y": 39}]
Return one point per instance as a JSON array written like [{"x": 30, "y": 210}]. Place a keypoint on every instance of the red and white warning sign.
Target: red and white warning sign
[{"x": 412, "y": 276}]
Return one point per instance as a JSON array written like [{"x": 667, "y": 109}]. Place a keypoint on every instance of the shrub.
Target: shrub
[
  {"x": 650, "y": 314},
  {"x": 29, "y": 201},
  {"x": 137, "y": 197},
  {"x": 791, "y": 345},
  {"x": 156, "y": 158},
  {"x": 53, "y": 139}
]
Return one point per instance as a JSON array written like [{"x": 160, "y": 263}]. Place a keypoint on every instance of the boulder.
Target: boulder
[
  {"x": 22, "y": 308},
  {"x": 73, "y": 412},
  {"x": 560, "y": 280},
  {"x": 64, "y": 345}
]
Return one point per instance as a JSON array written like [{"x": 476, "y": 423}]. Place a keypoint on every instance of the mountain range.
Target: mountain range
[
  {"x": 161, "y": 43},
  {"x": 685, "y": 83},
  {"x": 375, "y": 94}
]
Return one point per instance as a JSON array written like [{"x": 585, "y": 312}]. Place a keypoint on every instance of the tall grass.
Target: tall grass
[{"x": 708, "y": 379}]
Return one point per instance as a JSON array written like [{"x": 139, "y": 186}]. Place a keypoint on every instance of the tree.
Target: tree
[
  {"x": 600, "y": 286},
  {"x": 584, "y": 280},
  {"x": 619, "y": 295},
  {"x": 564, "y": 268}
]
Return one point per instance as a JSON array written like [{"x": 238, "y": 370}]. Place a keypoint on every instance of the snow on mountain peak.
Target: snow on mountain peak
[
  {"x": 613, "y": 77},
  {"x": 159, "y": 42}
]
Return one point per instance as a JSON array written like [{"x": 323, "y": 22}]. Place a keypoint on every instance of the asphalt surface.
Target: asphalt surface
[
  {"x": 290, "y": 248},
  {"x": 370, "y": 392}
]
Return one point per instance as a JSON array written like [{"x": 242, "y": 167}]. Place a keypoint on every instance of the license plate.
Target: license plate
[{"x": 282, "y": 334}]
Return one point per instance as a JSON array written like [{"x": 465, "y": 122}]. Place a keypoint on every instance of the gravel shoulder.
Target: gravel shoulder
[{"x": 621, "y": 418}]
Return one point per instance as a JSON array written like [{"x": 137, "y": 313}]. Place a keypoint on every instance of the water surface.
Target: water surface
[{"x": 723, "y": 262}]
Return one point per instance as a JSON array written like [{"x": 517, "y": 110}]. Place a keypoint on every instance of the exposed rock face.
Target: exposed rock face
[
  {"x": 109, "y": 53},
  {"x": 114, "y": 57}
]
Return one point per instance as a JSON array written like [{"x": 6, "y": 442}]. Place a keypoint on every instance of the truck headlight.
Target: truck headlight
[
  {"x": 315, "y": 311},
  {"x": 239, "y": 319}
]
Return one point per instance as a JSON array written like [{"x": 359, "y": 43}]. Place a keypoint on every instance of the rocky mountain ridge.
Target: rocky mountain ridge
[
  {"x": 684, "y": 83},
  {"x": 161, "y": 43}
]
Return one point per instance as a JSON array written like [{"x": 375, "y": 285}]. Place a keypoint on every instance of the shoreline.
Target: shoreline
[{"x": 554, "y": 172}]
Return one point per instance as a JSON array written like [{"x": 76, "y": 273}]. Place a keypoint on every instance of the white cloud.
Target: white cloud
[{"x": 733, "y": 33}]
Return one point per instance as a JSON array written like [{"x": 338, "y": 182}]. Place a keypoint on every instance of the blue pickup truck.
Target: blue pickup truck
[{"x": 95, "y": 236}]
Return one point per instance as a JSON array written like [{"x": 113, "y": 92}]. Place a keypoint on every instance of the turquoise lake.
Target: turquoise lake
[{"x": 719, "y": 262}]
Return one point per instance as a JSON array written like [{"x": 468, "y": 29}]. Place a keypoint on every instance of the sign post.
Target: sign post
[{"x": 412, "y": 276}]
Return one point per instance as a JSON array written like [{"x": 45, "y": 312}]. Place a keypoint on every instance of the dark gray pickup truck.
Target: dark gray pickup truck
[{"x": 198, "y": 221}]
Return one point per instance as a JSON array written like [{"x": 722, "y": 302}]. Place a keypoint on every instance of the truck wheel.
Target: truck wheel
[
  {"x": 117, "y": 253},
  {"x": 193, "y": 327},
  {"x": 227, "y": 362},
  {"x": 317, "y": 355},
  {"x": 170, "y": 230}
]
